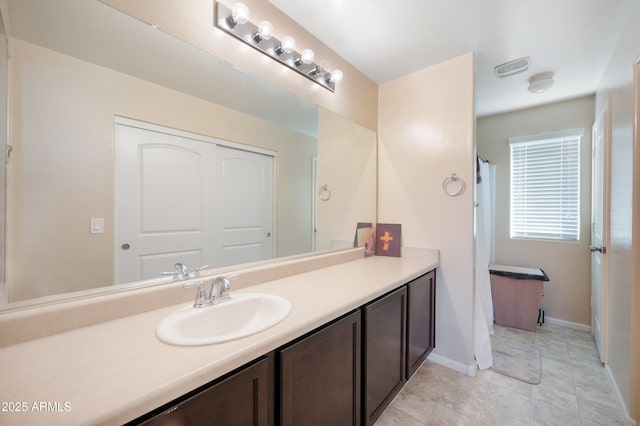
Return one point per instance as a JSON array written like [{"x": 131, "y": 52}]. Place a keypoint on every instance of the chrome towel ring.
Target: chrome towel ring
[
  {"x": 324, "y": 193},
  {"x": 453, "y": 185}
]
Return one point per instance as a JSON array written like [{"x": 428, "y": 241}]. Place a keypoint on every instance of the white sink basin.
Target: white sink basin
[{"x": 245, "y": 314}]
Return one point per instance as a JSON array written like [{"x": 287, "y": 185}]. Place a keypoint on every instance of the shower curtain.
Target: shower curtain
[{"x": 485, "y": 189}]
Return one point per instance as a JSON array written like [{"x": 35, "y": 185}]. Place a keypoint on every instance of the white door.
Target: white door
[
  {"x": 174, "y": 192},
  {"x": 601, "y": 142},
  {"x": 245, "y": 206}
]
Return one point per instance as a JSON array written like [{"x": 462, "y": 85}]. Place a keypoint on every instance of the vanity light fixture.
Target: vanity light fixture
[{"x": 236, "y": 21}]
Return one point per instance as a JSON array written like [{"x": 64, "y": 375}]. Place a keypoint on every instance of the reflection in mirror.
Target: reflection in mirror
[
  {"x": 4, "y": 149},
  {"x": 76, "y": 67}
]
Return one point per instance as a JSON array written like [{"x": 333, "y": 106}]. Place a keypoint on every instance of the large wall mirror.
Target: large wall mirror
[{"x": 76, "y": 67}]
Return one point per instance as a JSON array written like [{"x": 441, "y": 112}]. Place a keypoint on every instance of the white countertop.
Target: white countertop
[{"x": 115, "y": 371}]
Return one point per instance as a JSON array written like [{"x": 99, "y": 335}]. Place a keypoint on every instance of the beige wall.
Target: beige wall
[
  {"x": 348, "y": 156},
  {"x": 62, "y": 171},
  {"x": 425, "y": 133},
  {"x": 617, "y": 87},
  {"x": 567, "y": 295},
  {"x": 192, "y": 21}
]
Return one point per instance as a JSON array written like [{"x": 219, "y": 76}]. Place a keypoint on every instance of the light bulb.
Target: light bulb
[
  {"x": 307, "y": 56},
  {"x": 335, "y": 77},
  {"x": 265, "y": 31},
  {"x": 287, "y": 45},
  {"x": 239, "y": 14}
]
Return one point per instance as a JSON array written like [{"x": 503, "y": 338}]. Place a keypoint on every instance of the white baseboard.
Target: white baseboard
[
  {"x": 469, "y": 370},
  {"x": 568, "y": 324},
  {"x": 616, "y": 392}
]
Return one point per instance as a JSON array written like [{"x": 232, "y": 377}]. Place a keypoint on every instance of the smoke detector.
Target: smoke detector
[
  {"x": 541, "y": 82},
  {"x": 512, "y": 67}
]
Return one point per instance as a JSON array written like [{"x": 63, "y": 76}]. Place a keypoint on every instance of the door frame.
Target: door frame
[
  {"x": 125, "y": 121},
  {"x": 603, "y": 117},
  {"x": 634, "y": 408}
]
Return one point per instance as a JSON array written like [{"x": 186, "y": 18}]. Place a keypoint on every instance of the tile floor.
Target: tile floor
[{"x": 573, "y": 390}]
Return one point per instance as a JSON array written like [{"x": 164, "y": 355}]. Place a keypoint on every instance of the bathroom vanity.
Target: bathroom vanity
[
  {"x": 356, "y": 326},
  {"x": 345, "y": 372}
]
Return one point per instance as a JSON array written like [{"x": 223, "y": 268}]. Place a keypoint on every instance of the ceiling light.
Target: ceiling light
[
  {"x": 287, "y": 45},
  {"x": 541, "y": 82},
  {"x": 306, "y": 57},
  {"x": 335, "y": 77},
  {"x": 239, "y": 15},
  {"x": 235, "y": 22},
  {"x": 512, "y": 67},
  {"x": 265, "y": 31}
]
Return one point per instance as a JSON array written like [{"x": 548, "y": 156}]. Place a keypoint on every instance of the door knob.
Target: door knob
[{"x": 602, "y": 250}]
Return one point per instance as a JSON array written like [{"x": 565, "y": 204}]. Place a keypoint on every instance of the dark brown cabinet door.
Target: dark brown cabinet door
[
  {"x": 384, "y": 352},
  {"x": 243, "y": 399},
  {"x": 421, "y": 334},
  {"x": 320, "y": 376}
]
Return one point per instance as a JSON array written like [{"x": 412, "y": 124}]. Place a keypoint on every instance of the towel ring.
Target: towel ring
[
  {"x": 453, "y": 181},
  {"x": 324, "y": 193}
]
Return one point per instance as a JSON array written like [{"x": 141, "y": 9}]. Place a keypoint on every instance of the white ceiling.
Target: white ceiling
[{"x": 389, "y": 39}]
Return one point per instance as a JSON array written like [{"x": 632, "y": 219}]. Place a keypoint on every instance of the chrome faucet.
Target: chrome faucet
[
  {"x": 181, "y": 271},
  {"x": 219, "y": 292}
]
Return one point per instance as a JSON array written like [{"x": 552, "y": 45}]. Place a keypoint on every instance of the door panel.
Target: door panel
[
  {"x": 385, "y": 352},
  {"x": 170, "y": 183},
  {"x": 599, "y": 230},
  {"x": 188, "y": 200},
  {"x": 161, "y": 200},
  {"x": 246, "y": 190},
  {"x": 421, "y": 307},
  {"x": 320, "y": 376}
]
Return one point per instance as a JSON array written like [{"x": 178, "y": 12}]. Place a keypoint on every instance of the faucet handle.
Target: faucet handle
[
  {"x": 201, "y": 295},
  {"x": 227, "y": 282},
  {"x": 196, "y": 272}
]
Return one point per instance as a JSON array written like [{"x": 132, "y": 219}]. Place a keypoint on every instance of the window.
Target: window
[{"x": 545, "y": 186}]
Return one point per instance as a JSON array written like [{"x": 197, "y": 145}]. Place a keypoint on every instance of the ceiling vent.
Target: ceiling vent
[{"x": 512, "y": 67}]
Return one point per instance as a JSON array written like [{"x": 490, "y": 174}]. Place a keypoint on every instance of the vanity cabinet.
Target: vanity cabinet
[
  {"x": 320, "y": 376},
  {"x": 244, "y": 398},
  {"x": 421, "y": 320},
  {"x": 384, "y": 352},
  {"x": 344, "y": 373}
]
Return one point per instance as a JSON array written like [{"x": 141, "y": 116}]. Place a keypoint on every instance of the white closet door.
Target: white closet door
[
  {"x": 180, "y": 199},
  {"x": 245, "y": 206},
  {"x": 163, "y": 194}
]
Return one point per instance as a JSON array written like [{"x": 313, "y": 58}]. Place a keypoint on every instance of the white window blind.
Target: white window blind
[{"x": 545, "y": 186}]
